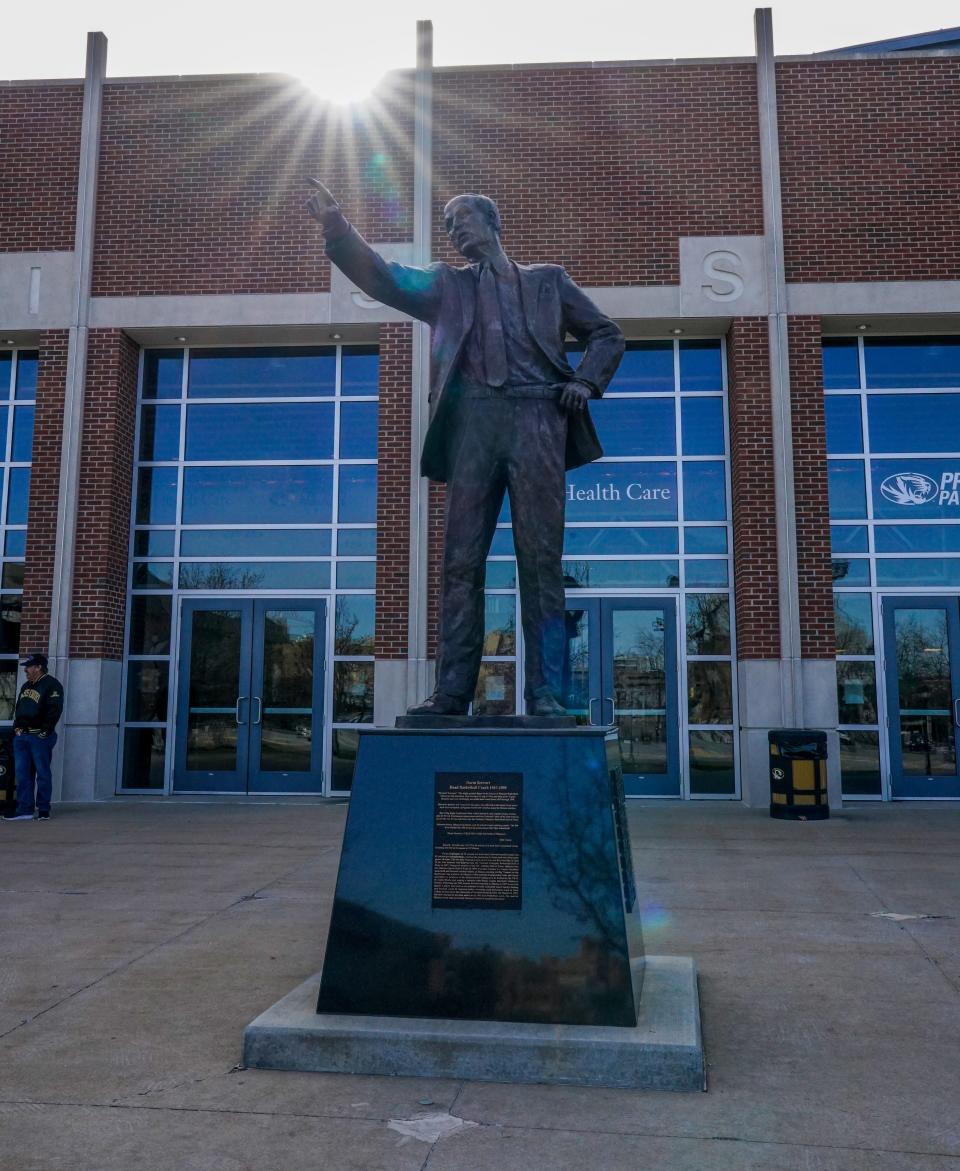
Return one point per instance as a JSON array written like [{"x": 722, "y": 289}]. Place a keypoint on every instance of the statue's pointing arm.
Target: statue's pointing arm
[{"x": 415, "y": 291}]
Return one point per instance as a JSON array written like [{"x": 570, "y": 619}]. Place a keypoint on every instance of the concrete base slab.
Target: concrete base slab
[{"x": 663, "y": 1052}]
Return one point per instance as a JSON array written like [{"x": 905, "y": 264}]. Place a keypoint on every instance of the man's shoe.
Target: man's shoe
[
  {"x": 18, "y": 817},
  {"x": 545, "y": 705},
  {"x": 44, "y": 815},
  {"x": 440, "y": 704}
]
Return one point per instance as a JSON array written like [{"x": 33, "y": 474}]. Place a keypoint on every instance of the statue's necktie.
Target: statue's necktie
[{"x": 494, "y": 347}]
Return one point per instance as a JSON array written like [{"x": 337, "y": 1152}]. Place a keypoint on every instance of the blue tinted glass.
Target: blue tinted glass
[
  {"x": 849, "y": 572},
  {"x": 159, "y": 433},
  {"x": 893, "y": 362},
  {"x": 358, "y": 430},
  {"x": 162, "y": 374},
  {"x": 27, "y": 374},
  {"x": 255, "y": 543},
  {"x": 18, "y": 495},
  {"x": 157, "y": 496},
  {"x": 502, "y": 543},
  {"x": 848, "y": 493},
  {"x": 22, "y": 450},
  {"x": 254, "y": 575},
  {"x": 705, "y": 573},
  {"x": 638, "y": 492},
  {"x": 841, "y": 364},
  {"x": 700, "y": 366},
  {"x": 262, "y": 373},
  {"x": 848, "y": 538},
  {"x": 701, "y": 425},
  {"x": 916, "y": 489},
  {"x": 501, "y": 575},
  {"x": 356, "y": 575},
  {"x": 645, "y": 367},
  {"x": 914, "y": 422},
  {"x": 844, "y": 432},
  {"x": 153, "y": 543},
  {"x": 632, "y": 426},
  {"x": 625, "y": 541},
  {"x": 917, "y": 538},
  {"x": 274, "y": 431},
  {"x": 360, "y": 371},
  {"x": 704, "y": 491},
  {"x": 918, "y": 571},
  {"x": 4, "y": 411},
  {"x": 152, "y": 575},
  {"x": 358, "y": 494},
  {"x": 592, "y": 574},
  {"x": 704, "y": 540},
  {"x": 15, "y": 543},
  {"x": 853, "y": 623},
  {"x": 357, "y": 542},
  {"x": 6, "y": 364},
  {"x": 257, "y": 495}
]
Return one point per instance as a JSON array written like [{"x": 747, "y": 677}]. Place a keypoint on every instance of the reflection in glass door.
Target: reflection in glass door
[
  {"x": 922, "y": 649},
  {"x": 249, "y": 717},
  {"x": 622, "y": 669}
]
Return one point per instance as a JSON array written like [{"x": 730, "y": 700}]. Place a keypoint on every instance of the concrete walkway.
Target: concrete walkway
[{"x": 137, "y": 939}]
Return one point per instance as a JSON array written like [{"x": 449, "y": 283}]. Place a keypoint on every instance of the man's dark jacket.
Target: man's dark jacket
[
  {"x": 39, "y": 705},
  {"x": 445, "y": 297}
]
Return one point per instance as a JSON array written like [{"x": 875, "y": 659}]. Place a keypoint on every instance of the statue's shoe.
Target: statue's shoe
[
  {"x": 545, "y": 705},
  {"x": 440, "y": 704}
]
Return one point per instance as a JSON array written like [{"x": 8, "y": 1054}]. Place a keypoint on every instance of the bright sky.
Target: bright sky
[{"x": 342, "y": 47}]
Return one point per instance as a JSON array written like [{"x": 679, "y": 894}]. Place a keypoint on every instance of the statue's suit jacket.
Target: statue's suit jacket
[{"x": 445, "y": 297}]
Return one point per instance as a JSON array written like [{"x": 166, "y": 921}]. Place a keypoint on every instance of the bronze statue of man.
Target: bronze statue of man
[{"x": 508, "y": 413}]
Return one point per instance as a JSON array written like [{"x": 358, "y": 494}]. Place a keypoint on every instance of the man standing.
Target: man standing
[
  {"x": 508, "y": 414},
  {"x": 39, "y": 707}
]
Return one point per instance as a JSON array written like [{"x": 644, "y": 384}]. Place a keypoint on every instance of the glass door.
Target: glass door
[{"x": 922, "y": 656}]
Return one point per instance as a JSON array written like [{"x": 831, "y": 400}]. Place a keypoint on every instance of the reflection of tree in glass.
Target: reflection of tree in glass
[
  {"x": 922, "y": 655},
  {"x": 221, "y": 576},
  {"x": 854, "y": 634},
  {"x": 353, "y": 693},
  {"x": 708, "y": 624},
  {"x": 639, "y": 660},
  {"x": 346, "y": 639},
  {"x": 288, "y": 639}
]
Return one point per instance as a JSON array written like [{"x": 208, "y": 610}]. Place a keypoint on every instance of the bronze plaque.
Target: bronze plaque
[{"x": 478, "y": 841}]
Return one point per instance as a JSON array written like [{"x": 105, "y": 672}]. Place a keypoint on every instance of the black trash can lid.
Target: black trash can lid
[{"x": 799, "y": 742}]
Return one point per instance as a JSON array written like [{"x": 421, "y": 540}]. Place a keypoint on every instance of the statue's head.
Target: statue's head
[{"x": 473, "y": 224}]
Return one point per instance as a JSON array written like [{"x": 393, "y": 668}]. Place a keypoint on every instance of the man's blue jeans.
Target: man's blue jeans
[{"x": 31, "y": 756}]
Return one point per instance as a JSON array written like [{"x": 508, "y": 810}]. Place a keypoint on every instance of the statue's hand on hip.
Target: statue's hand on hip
[{"x": 575, "y": 397}]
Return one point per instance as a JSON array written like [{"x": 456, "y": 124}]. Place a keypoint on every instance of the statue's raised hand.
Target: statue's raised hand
[{"x": 321, "y": 203}]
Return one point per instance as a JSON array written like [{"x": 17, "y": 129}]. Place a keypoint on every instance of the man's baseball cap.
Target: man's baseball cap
[{"x": 35, "y": 660}]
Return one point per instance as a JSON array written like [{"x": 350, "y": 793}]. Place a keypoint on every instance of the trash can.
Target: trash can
[
  {"x": 798, "y": 774},
  {"x": 8, "y": 781}
]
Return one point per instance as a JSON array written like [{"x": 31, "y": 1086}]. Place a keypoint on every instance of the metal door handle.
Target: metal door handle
[
  {"x": 236, "y": 710},
  {"x": 259, "y": 702},
  {"x": 590, "y": 704},
  {"x": 609, "y": 699}
]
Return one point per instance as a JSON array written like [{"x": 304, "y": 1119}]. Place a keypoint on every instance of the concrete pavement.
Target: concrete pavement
[{"x": 138, "y": 938}]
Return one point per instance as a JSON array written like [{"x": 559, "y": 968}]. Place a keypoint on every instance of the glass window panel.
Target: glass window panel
[
  {"x": 289, "y": 643},
  {"x": 6, "y": 366},
  {"x": 257, "y": 495},
  {"x": 360, "y": 370},
  {"x": 708, "y": 624},
  {"x": 358, "y": 430},
  {"x": 144, "y": 754},
  {"x": 162, "y": 374},
  {"x": 844, "y": 429},
  {"x": 356, "y": 575},
  {"x": 267, "y": 372},
  {"x": 917, "y": 538},
  {"x": 357, "y": 502},
  {"x": 841, "y": 363},
  {"x": 255, "y": 543},
  {"x": 157, "y": 496},
  {"x": 12, "y": 577},
  {"x": 631, "y": 426},
  {"x": 4, "y": 412},
  {"x": 501, "y": 575},
  {"x": 857, "y": 693},
  {"x": 704, "y": 540},
  {"x": 153, "y": 575},
  {"x": 354, "y": 625},
  {"x": 851, "y": 571},
  {"x": 706, "y": 573},
  {"x": 711, "y": 762},
  {"x": 8, "y": 689},
  {"x": 848, "y": 538},
  {"x": 11, "y": 611},
  {"x": 700, "y": 365},
  {"x": 646, "y": 367},
  {"x": 704, "y": 491},
  {"x": 709, "y": 694},
  {"x": 147, "y": 682},
  {"x": 848, "y": 493},
  {"x": 701, "y": 425},
  {"x": 496, "y": 690},
  {"x": 592, "y": 574},
  {"x": 27, "y": 363},
  {"x": 912, "y": 362},
  {"x": 275, "y": 431},
  {"x": 22, "y": 449},
  {"x": 343, "y": 759},
  {"x": 502, "y": 545},
  {"x": 582, "y": 542},
  {"x": 159, "y": 433},
  {"x": 150, "y": 624},
  {"x": 254, "y": 575},
  {"x": 638, "y": 492},
  {"x": 353, "y": 693},
  {"x": 215, "y": 683},
  {"x": 500, "y": 625},
  {"x": 153, "y": 543},
  {"x": 853, "y": 622},
  {"x": 914, "y": 422},
  {"x": 915, "y": 488},
  {"x": 357, "y": 542},
  {"x": 918, "y": 571},
  {"x": 860, "y": 764},
  {"x": 576, "y": 666},
  {"x": 15, "y": 543},
  {"x": 18, "y": 495}
]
